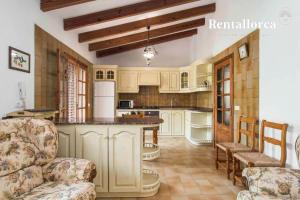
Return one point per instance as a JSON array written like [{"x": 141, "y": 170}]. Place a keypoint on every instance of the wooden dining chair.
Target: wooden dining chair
[
  {"x": 230, "y": 148},
  {"x": 259, "y": 159}
]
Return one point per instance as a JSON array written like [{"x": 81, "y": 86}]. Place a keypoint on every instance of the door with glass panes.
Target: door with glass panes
[{"x": 223, "y": 100}]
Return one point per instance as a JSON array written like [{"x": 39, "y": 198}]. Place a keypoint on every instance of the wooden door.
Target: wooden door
[
  {"x": 125, "y": 159},
  {"x": 92, "y": 144},
  {"x": 177, "y": 123},
  {"x": 165, "y": 127},
  {"x": 223, "y": 100}
]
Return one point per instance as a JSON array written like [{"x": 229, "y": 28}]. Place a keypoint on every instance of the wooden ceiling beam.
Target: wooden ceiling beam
[
  {"x": 48, "y": 5},
  {"x": 144, "y": 35},
  {"x": 142, "y": 44},
  {"x": 163, "y": 19},
  {"x": 121, "y": 12}
]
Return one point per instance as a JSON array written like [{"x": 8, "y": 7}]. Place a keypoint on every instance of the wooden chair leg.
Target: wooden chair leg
[
  {"x": 234, "y": 169},
  {"x": 144, "y": 138},
  {"x": 217, "y": 157},
  {"x": 228, "y": 165},
  {"x": 155, "y": 139}
]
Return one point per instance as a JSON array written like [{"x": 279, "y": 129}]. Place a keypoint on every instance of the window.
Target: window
[{"x": 72, "y": 89}]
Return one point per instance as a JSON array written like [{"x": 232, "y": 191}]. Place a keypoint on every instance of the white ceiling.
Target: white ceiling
[{"x": 100, "y": 5}]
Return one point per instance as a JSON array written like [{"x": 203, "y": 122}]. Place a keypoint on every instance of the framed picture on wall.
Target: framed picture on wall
[
  {"x": 19, "y": 60},
  {"x": 243, "y": 51}
]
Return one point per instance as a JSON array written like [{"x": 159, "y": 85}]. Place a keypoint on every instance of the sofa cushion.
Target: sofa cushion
[
  {"x": 26, "y": 142},
  {"x": 61, "y": 191},
  {"x": 281, "y": 183},
  {"x": 20, "y": 182}
]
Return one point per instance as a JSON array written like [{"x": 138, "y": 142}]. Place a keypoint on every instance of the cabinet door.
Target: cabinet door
[
  {"x": 92, "y": 144},
  {"x": 99, "y": 74},
  {"x": 177, "y": 123},
  {"x": 174, "y": 81},
  {"x": 125, "y": 159},
  {"x": 164, "y": 82},
  {"x": 184, "y": 80},
  {"x": 66, "y": 141},
  {"x": 149, "y": 78},
  {"x": 111, "y": 74},
  {"x": 165, "y": 127},
  {"x": 128, "y": 82}
]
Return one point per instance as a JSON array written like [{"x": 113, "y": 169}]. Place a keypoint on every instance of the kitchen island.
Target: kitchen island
[{"x": 116, "y": 147}]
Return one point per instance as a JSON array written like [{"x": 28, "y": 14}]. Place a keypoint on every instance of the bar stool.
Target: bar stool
[
  {"x": 151, "y": 151},
  {"x": 154, "y": 134}
]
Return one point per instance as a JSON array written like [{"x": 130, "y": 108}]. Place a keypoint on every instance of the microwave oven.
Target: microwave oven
[{"x": 126, "y": 104}]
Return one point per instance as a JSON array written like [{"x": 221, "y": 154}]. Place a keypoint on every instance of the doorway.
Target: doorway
[{"x": 223, "y": 100}]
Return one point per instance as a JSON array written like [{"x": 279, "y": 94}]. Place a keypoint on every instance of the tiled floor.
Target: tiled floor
[{"x": 188, "y": 172}]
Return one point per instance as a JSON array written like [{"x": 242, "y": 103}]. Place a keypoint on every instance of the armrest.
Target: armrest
[
  {"x": 273, "y": 181},
  {"x": 69, "y": 170},
  {"x": 246, "y": 195}
]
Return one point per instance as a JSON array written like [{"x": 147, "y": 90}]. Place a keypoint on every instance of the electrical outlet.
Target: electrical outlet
[{"x": 236, "y": 108}]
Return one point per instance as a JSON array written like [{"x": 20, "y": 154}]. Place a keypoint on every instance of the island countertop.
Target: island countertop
[{"x": 112, "y": 121}]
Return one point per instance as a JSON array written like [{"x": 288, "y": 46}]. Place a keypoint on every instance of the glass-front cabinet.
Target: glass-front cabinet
[
  {"x": 184, "y": 80},
  {"x": 105, "y": 73}
]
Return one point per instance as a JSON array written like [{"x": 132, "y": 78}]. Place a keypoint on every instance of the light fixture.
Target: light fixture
[{"x": 149, "y": 51}]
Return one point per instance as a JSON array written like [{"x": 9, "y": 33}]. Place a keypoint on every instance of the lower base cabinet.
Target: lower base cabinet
[
  {"x": 124, "y": 160},
  {"x": 92, "y": 144},
  {"x": 117, "y": 153},
  {"x": 173, "y": 124}
]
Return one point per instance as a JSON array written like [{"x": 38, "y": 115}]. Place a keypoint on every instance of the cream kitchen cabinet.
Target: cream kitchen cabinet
[
  {"x": 166, "y": 126},
  {"x": 149, "y": 78},
  {"x": 174, "y": 81},
  {"x": 173, "y": 124},
  {"x": 124, "y": 160},
  {"x": 169, "y": 82},
  {"x": 105, "y": 73},
  {"x": 92, "y": 144},
  {"x": 184, "y": 80},
  {"x": 128, "y": 81},
  {"x": 178, "y": 123},
  {"x": 116, "y": 151},
  {"x": 66, "y": 141}
]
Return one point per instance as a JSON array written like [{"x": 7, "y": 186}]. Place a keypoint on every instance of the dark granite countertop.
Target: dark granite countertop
[
  {"x": 113, "y": 121},
  {"x": 199, "y": 109}
]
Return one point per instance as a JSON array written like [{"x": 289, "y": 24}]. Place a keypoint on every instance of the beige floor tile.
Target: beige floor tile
[{"x": 188, "y": 172}]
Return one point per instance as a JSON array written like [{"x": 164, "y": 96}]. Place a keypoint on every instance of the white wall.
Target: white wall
[
  {"x": 279, "y": 66},
  {"x": 17, "y": 20}
]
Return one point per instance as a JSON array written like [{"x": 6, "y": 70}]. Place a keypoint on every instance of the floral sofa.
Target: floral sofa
[
  {"x": 272, "y": 182},
  {"x": 29, "y": 169}
]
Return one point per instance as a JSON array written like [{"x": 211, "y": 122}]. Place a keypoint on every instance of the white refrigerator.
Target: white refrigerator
[{"x": 104, "y": 99}]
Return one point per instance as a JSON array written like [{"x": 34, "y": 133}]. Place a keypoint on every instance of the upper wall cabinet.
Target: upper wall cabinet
[
  {"x": 184, "y": 80},
  {"x": 128, "y": 81},
  {"x": 203, "y": 80},
  {"x": 149, "y": 78},
  {"x": 105, "y": 73},
  {"x": 169, "y": 82}
]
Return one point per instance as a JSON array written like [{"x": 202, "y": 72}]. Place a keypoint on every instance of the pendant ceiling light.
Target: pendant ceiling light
[{"x": 149, "y": 51}]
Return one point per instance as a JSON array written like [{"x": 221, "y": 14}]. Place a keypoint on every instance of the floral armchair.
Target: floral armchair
[
  {"x": 29, "y": 169},
  {"x": 272, "y": 182}
]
